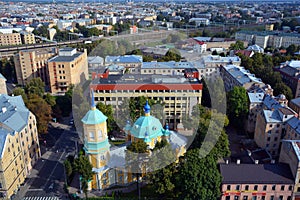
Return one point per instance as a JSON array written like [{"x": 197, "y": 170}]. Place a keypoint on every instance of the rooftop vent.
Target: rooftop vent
[{"x": 4, "y": 109}]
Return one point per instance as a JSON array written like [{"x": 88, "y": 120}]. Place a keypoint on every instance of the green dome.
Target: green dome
[
  {"x": 147, "y": 127},
  {"x": 94, "y": 116}
]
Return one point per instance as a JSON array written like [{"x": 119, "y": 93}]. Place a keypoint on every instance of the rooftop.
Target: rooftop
[
  {"x": 256, "y": 174},
  {"x": 242, "y": 75},
  {"x": 256, "y": 97}
]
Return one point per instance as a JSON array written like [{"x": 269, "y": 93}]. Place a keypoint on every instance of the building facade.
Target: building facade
[
  {"x": 69, "y": 67},
  {"x": 27, "y": 38},
  {"x": 19, "y": 144},
  {"x": 31, "y": 64},
  {"x": 179, "y": 94},
  {"x": 7, "y": 39},
  {"x": 3, "y": 89},
  {"x": 261, "y": 182}
]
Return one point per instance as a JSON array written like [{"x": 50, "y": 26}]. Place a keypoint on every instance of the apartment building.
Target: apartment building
[
  {"x": 7, "y": 39},
  {"x": 3, "y": 89},
  {"x": 269, "y": 38},
  {"x": 289, "y": 71},
  {"x": 31, "y": 64},
  {"x": 233, "y": 75},
  {"x": 128, "y": 61},
  {"x": 256, "y": 181},
  {"x": 179, "y": 94},
  {"x": 290, "y": 154},
  {"x": 294, "y": 104},
  {"x": 69, "y": 67},
  {"x": 255, "y": 106},
  {"x": 19, "y": 144},
  {"x": 27, "y": 38}
]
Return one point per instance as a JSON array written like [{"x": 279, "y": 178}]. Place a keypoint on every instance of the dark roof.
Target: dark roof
[
  {"x": 65, "y": 58},
  {"x": 279, "y": 173}
]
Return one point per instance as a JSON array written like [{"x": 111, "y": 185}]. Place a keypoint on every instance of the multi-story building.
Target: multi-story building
[
  {"x": 27, "y": 38},
  {"x": 3, "y": 89},
  {"x": 290, "y": 154},
  {"x": 233, "y": 75},
  {"x": 69, "y": 67},
  {"x": 256, "y": 181},
  {"x": 31, "y": 64},
  {"x": 10, "y": 39},
  {"x": 178, "y": 93},
  {"x": 269, "y": 38},
  {"x": 294, "y": 104},
  {"x": 19, "y": 144},
  {"x": 271, "y": 126},
  {"x": 290, "y": 73},
  {"x": 255, "y": 106},
  {"x": 128, "y": 61}
]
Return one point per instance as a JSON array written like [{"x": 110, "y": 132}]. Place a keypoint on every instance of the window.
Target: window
[
  {"x": 264, "y": 188},
  {"x": 245, "y": 198},
  {"x": 237, "y": 187},
  {"x": 255, "y": 187},
  {"x": 254, "y": 197},
  {"x": 298, "y": 189},
  {"x": 92, "y": 137},
  {"x": 273, "y": 187},
  {"x": 282, "y": 188},
  {"x": 236, "y": 197},
  {"x": 290, "y": 187},
  {"x": 227, "y": 198},
  {"x": 272, "y": 197},
  {"x": 99, "y": 134},
  {"x": 228, "y": 187},
  {"x": 247, "y": 187},
  {"x": 280, "y": 197},
  {"x": 263, "y": 198},
  {"x": 289, "y": 198}
]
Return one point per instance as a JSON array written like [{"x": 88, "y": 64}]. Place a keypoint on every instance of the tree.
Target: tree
[
  {"x": 197, "y": 178},
  {"x": 107, "y": 110},
  {"x": 68, "y": 169},
  {"x": 35, "y": 87},
  {"x": 239, "y": 45},
  {"x": 41, "y": 110},
  {"x": 291, "y": 49},
  {"x": 83, "y": 166},
  {"x": 238, "y": 104},
  {"x": 7, "y": 69},
  {"x": 20, "y": 91},
  {"x": 50, "y": 100}
]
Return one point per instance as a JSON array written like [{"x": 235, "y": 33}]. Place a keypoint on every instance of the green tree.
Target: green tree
[
  {"x": 68, "y": 169},
  {"x": 7, "y": 69},
  {"x": 35, "y": 87},
  {"x": 239, "y": 45},
  {"x": 238, "y": 104},
  {"x": 20, "y": 91},
  {"x": 50, "y": 100},
  {"x": 107, "y": 110},
  {"x": 197, "y": 178},
  {"x": 41, "y": 110},
  {"x": 83, "y": 166}
]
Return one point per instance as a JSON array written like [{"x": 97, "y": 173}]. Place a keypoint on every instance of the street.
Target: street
[{"x": 47, "y": 178}]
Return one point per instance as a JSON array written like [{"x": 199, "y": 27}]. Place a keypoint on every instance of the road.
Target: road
[{"x": 47, "y": 177}]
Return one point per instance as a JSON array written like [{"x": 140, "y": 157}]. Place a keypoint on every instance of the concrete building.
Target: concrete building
[
  {"x": 255, "y": 106},
  {"x": 233, "y": 75},
  {"x": 128, "y": 61},
  {"x": 19, "y": 149},
  {"x": 31, "y": 64},
  {"x": 289, "y": 71},
  {"x": 294, "y": 104},
  {"x": 271, "y": 125},
  {"x": 3, "y": 89},
  {"x": 256, "y": 181},
  {"x": 199, "y": 21},
  {"x": 27, "y": 38},
  {"x": 7, "y": 39},
  {"x": 178, "y": 93},
  {"x": 290, "y": 154},
  {"x": 68, "y": 68}
]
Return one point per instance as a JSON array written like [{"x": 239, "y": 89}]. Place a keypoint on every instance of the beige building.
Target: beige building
[
  {"x": 19, "y": 149},
  {"x": 7, "y": 39},
  {"x": 3, "y": 89},
  {"x": 271, "y": 128},
  {"x": 69, "y": 67},
  {"x": 178, "y": 93},
  {"x": 31, "y": 64},
  {"x": 27, "y": 38}
]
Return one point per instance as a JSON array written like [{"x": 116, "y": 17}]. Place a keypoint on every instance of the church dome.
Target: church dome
[
  {"x": 147, "y": 127},
  {"x": 94, "y": 116}
]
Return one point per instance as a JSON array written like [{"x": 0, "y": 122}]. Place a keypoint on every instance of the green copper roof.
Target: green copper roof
[
  {"x": 94, "y": 116},
  {"x": 103, "y": 146},
  {"x": 147, "y": 127}
]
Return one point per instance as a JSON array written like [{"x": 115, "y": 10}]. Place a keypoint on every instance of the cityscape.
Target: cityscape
[{"x": 150, "y": 100}]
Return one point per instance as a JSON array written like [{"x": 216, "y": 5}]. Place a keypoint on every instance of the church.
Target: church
[{"x": 108, "y": 161}]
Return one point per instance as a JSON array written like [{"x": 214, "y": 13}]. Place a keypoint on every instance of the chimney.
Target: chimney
[
  {"x": 238, "y": 161},
  {"x": 256, "y": 162},
  {"x": 4, "y": 109}
]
